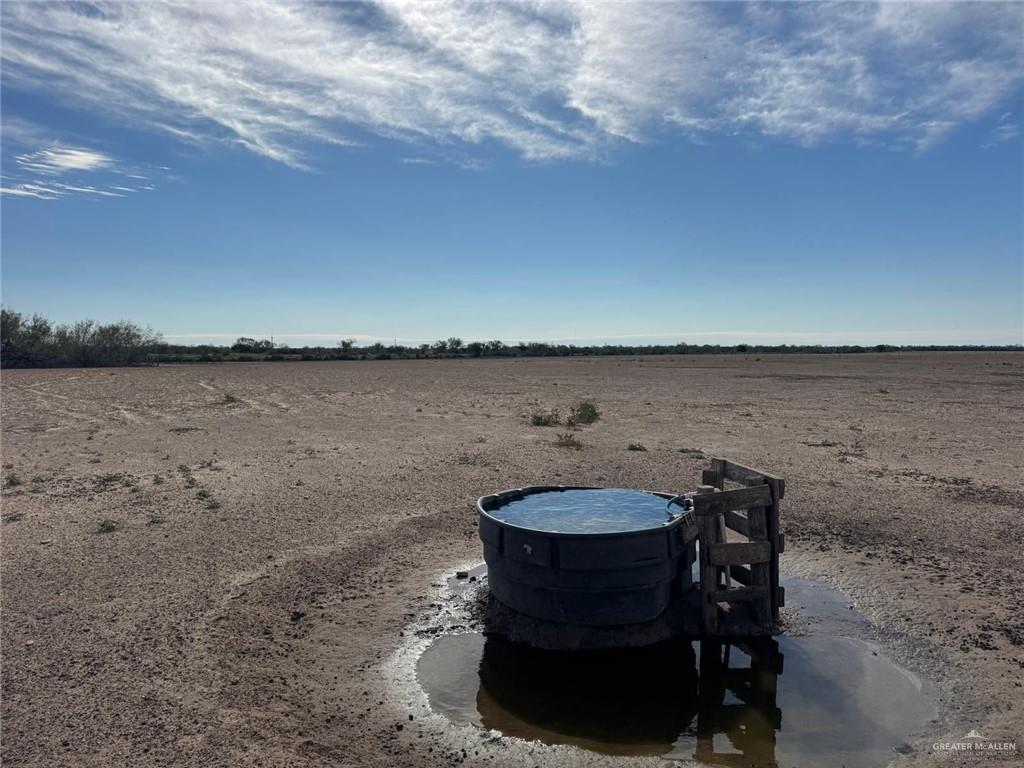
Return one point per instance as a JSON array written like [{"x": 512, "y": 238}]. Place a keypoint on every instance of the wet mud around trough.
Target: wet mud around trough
[{"x": 819, "y": 695}]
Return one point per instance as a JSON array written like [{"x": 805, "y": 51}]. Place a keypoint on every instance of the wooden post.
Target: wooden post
[
  {"x": 772, "y": 522},
  {"x": 760, "y": 572},
  {"x": 707, "y": 521},
  {"x": 718, "y": 467}
]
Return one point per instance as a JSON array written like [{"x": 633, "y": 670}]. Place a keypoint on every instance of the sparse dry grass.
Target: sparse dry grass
[{"x": 568, "y": 440}]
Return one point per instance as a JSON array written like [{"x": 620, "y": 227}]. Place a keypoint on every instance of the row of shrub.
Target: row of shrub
[
  {"x": 35, "y": 342},
  {"x": 442, "y": 349}
]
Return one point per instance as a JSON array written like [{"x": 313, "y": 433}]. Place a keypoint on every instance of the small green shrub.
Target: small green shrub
[
  {"x": 108, "y": 526},
  {"x": 568, "y": 440},
  {"x": 12, "y": 481},
  {"x": 584, "y": 412},
  {"x": 636, "y": 447},
  {"x": 202, "y": 493},
  {"x": 545, "y": 418},
  {"x": 697, "y": 453}
]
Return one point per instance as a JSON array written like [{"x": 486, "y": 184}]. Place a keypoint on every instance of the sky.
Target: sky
[{"x": 600, "y": 172}]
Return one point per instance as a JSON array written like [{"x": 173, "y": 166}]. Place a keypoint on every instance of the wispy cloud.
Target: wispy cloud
[
  {"x": 547, "y": 80},
  {"x": 54, "y": 172},
  {"x": 1005, "y": 130},
  {"x": 56, "y": 160}
]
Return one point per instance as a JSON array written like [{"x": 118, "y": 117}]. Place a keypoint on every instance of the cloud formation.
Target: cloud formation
[
  {"x": 58, "y": 171},
  {"x": 56, "y": 160},
  {"x": 547, "y": 80}
]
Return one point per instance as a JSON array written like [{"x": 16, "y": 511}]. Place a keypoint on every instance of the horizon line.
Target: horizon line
[{"x": 912, "y": 337}]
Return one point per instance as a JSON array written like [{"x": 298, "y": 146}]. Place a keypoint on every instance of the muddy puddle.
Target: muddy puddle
[{"x": 822, "y": 696}]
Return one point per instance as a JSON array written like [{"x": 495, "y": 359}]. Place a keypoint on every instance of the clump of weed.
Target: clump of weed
[
  {"x": 12, "y": 517},
  {"x": 229, "y": 399},
  {"x": 212, "y": 504},
  {"x": 883, "y": 391},
  {"x": 158, "y": 480},
  {"x": 155, "y": 519},
  {"x": 12, "y": 481},
  {"x": 545, "y": 418},
  {"x": 568, "y": 440},
  {"x": 111, "y": 480},
  {"x": 202, "y": 493},
  {"x": 636, "y": 447},
  {"x": 584, "y": 412},
  {"x": 107, "y": 526},
  {"x": 696, "y": 453},
  {"x": 186, "y": 473}
]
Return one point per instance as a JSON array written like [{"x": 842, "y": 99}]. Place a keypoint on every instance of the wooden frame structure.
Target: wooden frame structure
[{"x": 737, "y": 517}]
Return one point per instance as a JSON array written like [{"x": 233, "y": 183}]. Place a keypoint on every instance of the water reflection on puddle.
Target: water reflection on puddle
[{"x": 818, "y": 700}]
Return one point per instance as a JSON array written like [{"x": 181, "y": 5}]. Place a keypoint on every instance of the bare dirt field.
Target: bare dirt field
[{"x": 271, "y": 529}]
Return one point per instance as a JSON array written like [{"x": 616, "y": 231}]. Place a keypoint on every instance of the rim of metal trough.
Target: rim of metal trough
[{"x": 485, "y": 503}]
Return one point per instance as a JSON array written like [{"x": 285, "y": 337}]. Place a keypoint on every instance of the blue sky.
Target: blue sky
[{"x": 702, "y": 173}]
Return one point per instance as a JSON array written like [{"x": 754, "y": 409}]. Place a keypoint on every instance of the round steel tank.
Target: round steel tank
[{"x": 582, "y": 555}]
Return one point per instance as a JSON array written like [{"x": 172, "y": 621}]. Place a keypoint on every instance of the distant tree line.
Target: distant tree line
[
  {"x": 35, "y": 342},
  {"x": 454, "y": 347}
]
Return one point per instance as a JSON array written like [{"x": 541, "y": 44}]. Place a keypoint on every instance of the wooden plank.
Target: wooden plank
[
  {"x": 737, "y": 522},
  {"x": 708, "y": 477},
  {"x": 761, "y": 572},
  {"x": 741, "y": 473},
  {"x": 708, "y": 526},
  {"x": 778, "y": 544},
  {"x": 722, "y": 577},
  {"x": 738, "y": 498},
  {"x": 741, "y": 594},
  {"x": 739, "y": 554}
]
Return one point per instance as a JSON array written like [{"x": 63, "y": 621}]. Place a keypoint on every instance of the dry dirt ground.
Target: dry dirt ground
[{"x": 278, "y": 525}]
